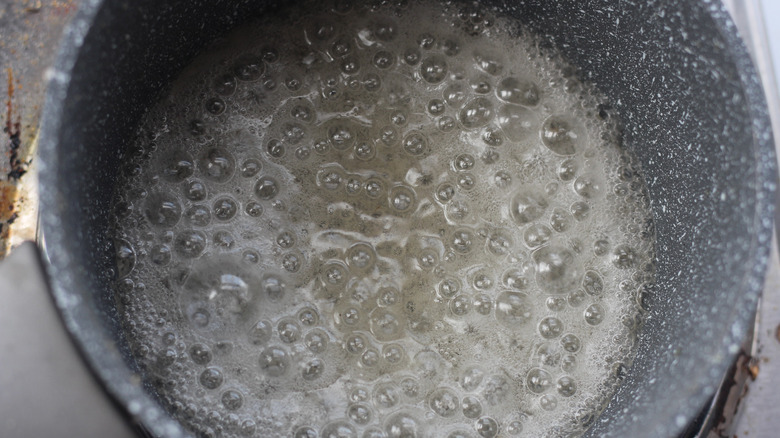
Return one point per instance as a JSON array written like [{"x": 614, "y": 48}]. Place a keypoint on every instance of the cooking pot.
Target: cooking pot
[{"x": 676, "y": 73}]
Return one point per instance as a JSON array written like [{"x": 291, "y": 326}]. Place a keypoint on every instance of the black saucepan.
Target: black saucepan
[{"x": 675, "y": 71}]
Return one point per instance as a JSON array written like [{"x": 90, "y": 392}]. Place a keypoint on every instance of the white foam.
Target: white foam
[{"x": 352, "y": 230}]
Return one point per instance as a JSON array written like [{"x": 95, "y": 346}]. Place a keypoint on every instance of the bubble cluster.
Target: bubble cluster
[{"x": 348, "y": 226}]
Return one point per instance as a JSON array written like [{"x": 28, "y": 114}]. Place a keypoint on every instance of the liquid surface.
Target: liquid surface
[{"x": 388, "y": 222}]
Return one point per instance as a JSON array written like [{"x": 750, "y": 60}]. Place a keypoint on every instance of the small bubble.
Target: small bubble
[
  {"x": 559, "y": 220},
  {"x": 253, "y": 209},
  {"x": 450, "y": 47},
  {"x": 393, "y": 353},
  {"x": 412, "y": 56},
  {"x": 592, "y": 283},
  {"x": 538, "y": 380},
  {"x": 548, "y": 402},
  {"x": 160, "y": 255},
  {"x": 308, "y": 316},
  {"x": 355, "y": 344},
  {"x": 225, "y": 84},
  {"x": 370, "y": 357},
  {"x": 359, "y": 413},
  {"x": 482, "y": 281},
  {"x": 486, "y": 427},
  {"x": 516, "y": 121},
  {"x": 293, "y": 82},
  {"x": 464, "y": 162},
  {"x": 415, "y": 143},
  {"x": 410, "y": 387},
  {"x": 444, "y": 402},
  {"x": 518, "y": 91},
  {"x": 445, "y": 192},
  {"x": 446, "y": 123},
  {"x": 225, "y": 208},
  {"x": 428, "y": 258},
  {"x": 195, "y": 191},
  {"x": 275, "y": 148},
  {"x": 537, "y": 235},
  {"x": 260, "y": 333},
  {"x": 483, "y": 304},
  {"x": 305, "y": 432},
  {"x": 466, "y": 181},
  {"x": 515, "y": 278},
  {"x": 481, "y": 86},
  {"x": 217, "y": 164},
  {"x": 316, "y": 340},
  {"x": 624, "y": 257},
  {"x": 460, "y": 305},
  {"x": 449, "y": 287},
  {"x": 566, "y": 386},
  {"x": 273, "y": 287},
  {"x": 200, "y": 354},
  {"x": 224, "y": 240},
  {"x": 250, "y": 167},
  {"x": 198, "y": 215},
  {"x": 190, "y": 243},
  {"x": 179, "y": 166},
  {"x": 499, "y": 243},
  {"x": 197, "y": 127},
  {"x": 248, "y": 68},
  {"x": 338, "y": 429},
  {"x": 513, "y": 309},
  {"x": 476, "y": 113},
  {"x": 402, "y": 198},
  {"x": 334, "y": 275},
  {"x": 594, "y": 314},
  {"x": 557, "y": 269},
  {"x": 433, "y": 69},
  {"x": 373, "y": 432},
  {"x": 274, "y": 361},
  {"x": 577, "y": 298},
  {"x": 232, "y": 399},
  {"x": 502, "y": 179},
  {"x": 462, "y": 241},
  {"x": 215, "y": 106},
  {"x": 341, "y": 136},
  {"x": 587, "y": 186},
  {"x": 365, "y": 150},
  {"x": 435, "y": 107},
  {"x": 162, "y": 210},
  {"x": 353, "y": 185},
  {"x": 580, "y": 210},
  {"x": 350, "y": 65},
  {"x": 568, "y": 363},
  {"x": 200, "y": 318},
  {"x": 471, "y": 407},
  {"x": 304, "y": 113},
  {"x": 383, "y": 59},
  {"x": 558, "y": 135},
  {"x": 550, "y": 327},
  {"x": 374, "y": 187},
  {"x": 289, "y": 331},
  {"x": 313, "y": 369},
  {"x": 556, "y": 304},
  {"x": 266, "y": 188},
  {"x": 527, "y": 206},
  {"x": 211, "y": 378}
]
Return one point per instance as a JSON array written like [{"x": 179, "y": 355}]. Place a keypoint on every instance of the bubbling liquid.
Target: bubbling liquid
[{"x": 391, "y": 221}]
